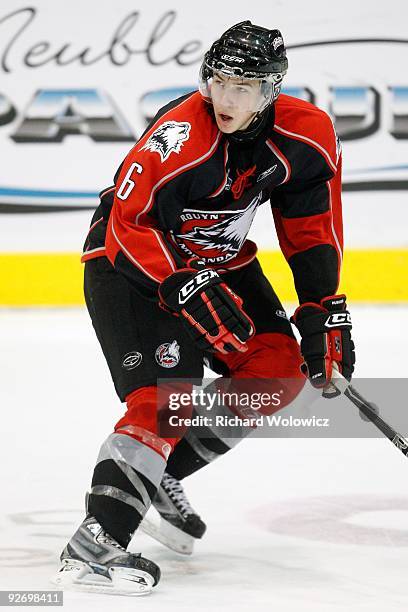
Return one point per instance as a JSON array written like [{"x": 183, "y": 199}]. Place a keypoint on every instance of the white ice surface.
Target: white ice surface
[{"x": 293, "y": 525}]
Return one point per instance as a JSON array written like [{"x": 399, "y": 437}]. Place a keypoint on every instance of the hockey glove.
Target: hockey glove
[
  {"x": 210, "y": 311},
  {"x": 325, "y": 330}
]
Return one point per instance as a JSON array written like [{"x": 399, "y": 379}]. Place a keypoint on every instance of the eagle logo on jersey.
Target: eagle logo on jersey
[
  {"x": 168, "y": 138},
  {"x": 224, "y": 237}
]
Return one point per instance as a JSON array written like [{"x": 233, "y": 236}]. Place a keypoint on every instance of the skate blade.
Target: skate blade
[
  {"x": 167, "y": 534},
  {"x": 77, "y": 576}
]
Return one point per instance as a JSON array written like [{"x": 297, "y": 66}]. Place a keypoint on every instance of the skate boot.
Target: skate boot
[
  {"x": 179, "y": 524},
  {"x": 94, "y": 561}
]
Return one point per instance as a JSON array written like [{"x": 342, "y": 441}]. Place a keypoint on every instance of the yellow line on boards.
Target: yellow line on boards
[
  {"x": 55, "y": 279},
  {"x": 41, "y": 279},
  {"x": 367, "y": 275}
]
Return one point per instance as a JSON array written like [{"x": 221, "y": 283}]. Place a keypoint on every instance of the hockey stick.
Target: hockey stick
[{"x": 369, "y": 412}]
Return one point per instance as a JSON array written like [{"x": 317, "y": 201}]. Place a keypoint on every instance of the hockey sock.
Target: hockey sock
[
  {"x": 199, "y": 447},
  {"x": 125, "y": 480}
]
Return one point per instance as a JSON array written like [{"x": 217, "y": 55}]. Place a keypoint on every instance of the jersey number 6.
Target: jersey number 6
[{"x": 127, "y": 184}]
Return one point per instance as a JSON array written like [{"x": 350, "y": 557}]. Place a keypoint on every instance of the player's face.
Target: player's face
[{"x": 232, "y": 98}]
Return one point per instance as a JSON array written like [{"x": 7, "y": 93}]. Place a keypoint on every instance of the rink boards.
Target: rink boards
[
  {"x": 43, "y": 279},
  {"x": 74, "y": 100}
]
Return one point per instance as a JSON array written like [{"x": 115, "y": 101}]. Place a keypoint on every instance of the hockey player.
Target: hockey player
[{"x": 172, "y": 229}]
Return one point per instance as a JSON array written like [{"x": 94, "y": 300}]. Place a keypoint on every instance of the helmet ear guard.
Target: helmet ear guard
[{"x": 275, "y": 80}]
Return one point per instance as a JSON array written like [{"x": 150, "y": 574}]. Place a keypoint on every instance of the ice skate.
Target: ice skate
[
  {"x": 178, "y": 524},
  {"x": 94, "y": 561}
]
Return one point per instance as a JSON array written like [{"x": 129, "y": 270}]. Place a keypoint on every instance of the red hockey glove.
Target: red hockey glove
[
  {"x": 325, "y": 330},
  {"x": 211, "y": 312}
]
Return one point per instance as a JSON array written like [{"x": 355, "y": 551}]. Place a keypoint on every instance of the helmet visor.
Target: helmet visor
[{"x": 240, "y": 94}]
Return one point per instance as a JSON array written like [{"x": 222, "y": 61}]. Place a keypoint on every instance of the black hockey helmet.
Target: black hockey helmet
[{"x": 247, "y": 51}]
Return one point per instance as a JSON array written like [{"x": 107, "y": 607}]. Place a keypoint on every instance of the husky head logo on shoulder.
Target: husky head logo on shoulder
[{"x": 168, "y": 138}]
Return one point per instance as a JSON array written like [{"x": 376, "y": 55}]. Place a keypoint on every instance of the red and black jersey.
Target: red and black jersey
[{"x": 188, "y": 190}]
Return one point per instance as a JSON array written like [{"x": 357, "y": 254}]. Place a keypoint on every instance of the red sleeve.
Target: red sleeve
[
  {"x": 300, "y": 233},
  {"x": 307, "y": 211}
]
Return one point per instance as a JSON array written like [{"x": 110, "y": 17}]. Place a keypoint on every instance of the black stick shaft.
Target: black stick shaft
[{"x": 364, "y": 406}]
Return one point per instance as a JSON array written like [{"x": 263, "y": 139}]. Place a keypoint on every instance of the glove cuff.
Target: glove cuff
[
  {"x": 331, "y": 303},
  {"x": 334, "y": 302}
]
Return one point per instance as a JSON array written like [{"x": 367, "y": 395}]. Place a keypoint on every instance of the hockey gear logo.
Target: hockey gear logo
[
  {"x": 277, "y": 42},
  {"x": 196, "y": 284},
  {"x": 94, "y": 528},
  {"x": 218, "y": 236},
  {"x": 337, "y": 345},
  {"x": 400, "y": 443},
  {"x": 338, "y": 319},
  {"x": 168, "y": 354},
  {"x": 267, "y": 172},
  {"x": 139, "y": 580},
  {"x": 132, "y": 360},
  {"x": 233, "y": 58},
  {"x": 168, "y": 138},
  {"x": 338, "y": 147}
]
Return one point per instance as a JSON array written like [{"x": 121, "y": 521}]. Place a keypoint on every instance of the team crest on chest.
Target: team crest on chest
[
  {"x": 168, "y": 138},
  {"x": 215, "y": 236}
]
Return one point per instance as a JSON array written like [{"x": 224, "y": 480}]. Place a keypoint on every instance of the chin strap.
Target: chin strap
[{"x": 255, "y": 127}]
